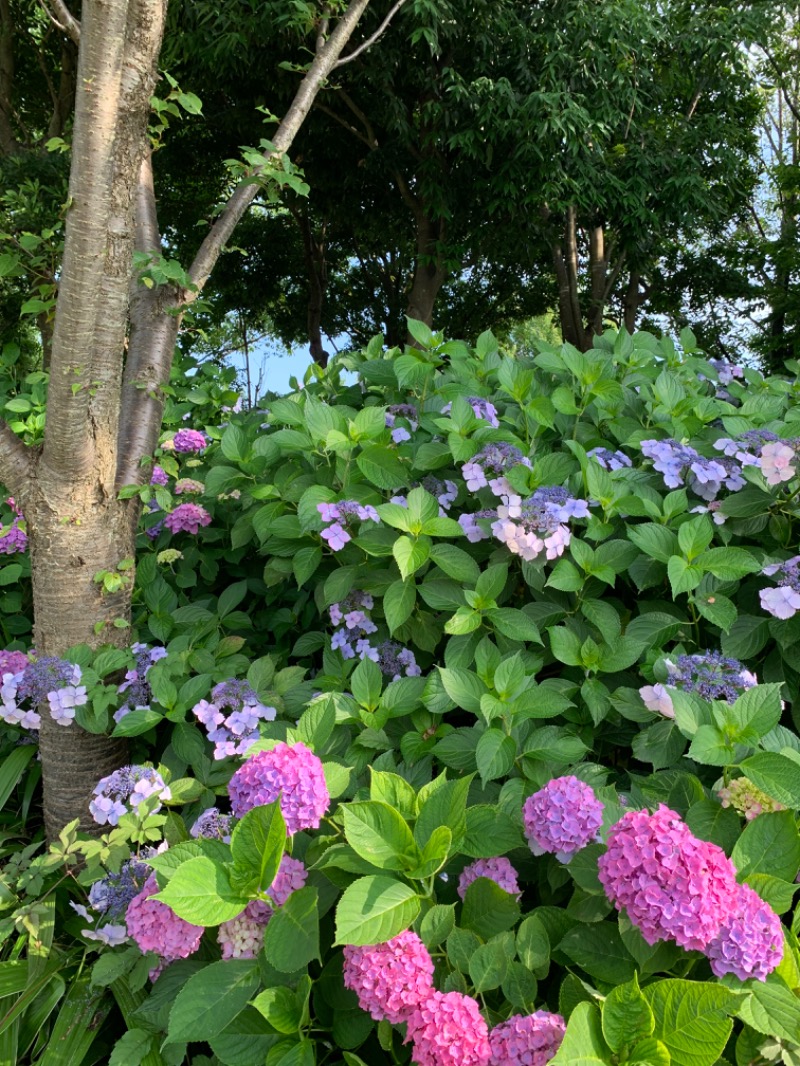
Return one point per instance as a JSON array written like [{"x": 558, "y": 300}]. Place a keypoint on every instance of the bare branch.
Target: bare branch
[
  {"x": 16, "y": 461},
  {"x": 8, "y": 141},
  {"x": 371, "y": 40},
  {"x": 243, "y": 196},
  {"x": 61, "y": 17}
]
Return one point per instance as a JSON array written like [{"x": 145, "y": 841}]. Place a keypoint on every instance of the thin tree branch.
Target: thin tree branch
[
  {"x": 244, "y": 195},
  {"x": 371, "y": 40},
  {"x": 63, "y": 19},
  {"x": 343, "y": 122},
  {"x": 8, "y": 141}
]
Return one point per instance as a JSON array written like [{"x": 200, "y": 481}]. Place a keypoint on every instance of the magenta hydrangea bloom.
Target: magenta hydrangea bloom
[
  {"x": 189, "y": 440},
  {"x": 291, "y": 771},
  {"x": 159, "y": 476},
  {"x": 750, "y": 940},
  {"x": 13, "y": 662},
  {"x": 672, "y": 885},
  {"x": 187, "y": 518},
  {"x": 562, "y": 817},
  {"x": 498, "y": 869},
  {"x": 156, "y": 927},
  {"x": 449, "y": 1030},
  {"x": 391, "y": 980},
  {"x": 13, "y": 537},
  {"x": 243, "y": 936},
  {"x": 530, "y": 1040}
]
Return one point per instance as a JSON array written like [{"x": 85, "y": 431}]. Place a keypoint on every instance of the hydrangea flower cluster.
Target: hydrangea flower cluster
[
  {"x": 481, "y": 408},
  {"x": 405, "y": 411},
  {"x": 609, "y": 460},
  {"x": 562, "y": 817},
  {"x": 350, "y": 638},
  {"x": 341, "y": 516},
  {"x": 13, "y": 662},
  {"x": 48, "y": 678},
  {"x": 748, "y": 799},
  {"x": 189, "y": 440},
  {"x": 681, "y": 465},
  {"x": 187, "y": 486},
  {"x": 445, "y": 492},
  {"x": 530, "y": 1040},
  {"x": 778, "y": 461},
  {"x": 713, "y": 676},
  {"x": 672, "y": 885},
  {"x": 156, "y": 927},
  {"x": 135, "y": 685},
  {"x": 159, "y": 476},
  {"x": 111, "y": 895},
  {"x": 497, "y": 869},
  {"x": 391, "y": 980},
  {"x": 242, "y": 937},
  {"x": 231, "y": 718},
  {"x": 291, "y": 772},
  {"x": 750, "y": 940},
  {"x": 746, "y": 448},
  {"x": 494, "y": 459},
  {"x": 187, "y": 518},
  {"x": 213, "y": 825},
  {"x": 447, "y": 1029},
  {"x": 394, "y": 660},
  {"x": 783, "y": 601},
  {"x": 123, "y": 791},
  {"x": 726, "y": 371},
  {"x": 13, "y": 537},
  {"x": 530, "y": 527}
]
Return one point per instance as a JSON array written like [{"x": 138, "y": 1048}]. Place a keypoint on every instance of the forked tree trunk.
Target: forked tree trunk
[{"x": 429, "y": 270}]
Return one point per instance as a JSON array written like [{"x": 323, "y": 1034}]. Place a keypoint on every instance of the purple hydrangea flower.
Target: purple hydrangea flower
[
  {"x": 750, "y": 939},
  {"x": 481, "y": 408},
  {"x": 497, "y": 869},
  {"x": 401, "y": 410},
  {"x": 155, "y": 926},
  {"x": 189, "y": 440},
  {"x": 494, "y": 459},
  {"x": 531, "y": 1040},
  {"x": 13, "y": 537},
  {"x": 124, "y": 790},
  {"x": 291, "y": 772},
  {"x": 231, "y": 718},
  {"x": 393, "y": 659},
  {"x": 353, "y": 611},
  {"x": 530, "y": 527},
  {"x": 672, "y": 885},
  {"x": 13, "y": 662},
  {"x": 726, "y": 371},
  {"x": 391, "y": 980},
  {"x": 135, "y": 685},
  {"x": 783, "y": 601},
  {"x": 213, "y": 825},
  {"x": 469, "y": 523},
  {"x": 159, "y": 476},
  {"x": 48, "y": 678},
  {"x": 681, "y": 464},
  {"x": 713, "y": 676},
  {"x": 746, "y": 448},
  {"x": 342, "y": 515},
  {"x": 562, "y": 817},
  {"x": 187, "y": 518},
  {"x": 111, "y": 895},
  {"x": 610, "y": 460}
]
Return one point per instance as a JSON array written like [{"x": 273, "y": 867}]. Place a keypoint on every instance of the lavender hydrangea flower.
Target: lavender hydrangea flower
[
  {"x": 111, "y": 895},
  {"x": 726, "y": 371},
  {"x": 13, "y": 537},
  {"x": 537, "y": 524},
  {"x": 746, "y": 448},
  {"x": 213, "y": 825},
  {"x": 469, "y": 523},
  {"x": 50, "y": 679},
  {"x": 783, "y": 601},
  {"x": 481, "y": 408},
  {"x": 405, "y": 411},
  {"x": 353, "y": 611},
  {"x": 609, "y": 460},
  {"x": 497, "y": 869},
  {"x": 13, "y": 662},
  {"x": 189, "y": 440},
  {"x": 231, "y": 718},
  {"x": 713, "y": 676},
  {"x": 187, "y": 518},
  {"x": 341, "y": 517},
  {"x": 562, "y": 818},
  {"x": 681, "y": 465},
  {"x": 135, "y": 685},
  {"x": 159, "y": 476},
  {"x": 395, "y": 660},
  {"x": 124, "y": 790},
  {"x": 494, "y": 459}
]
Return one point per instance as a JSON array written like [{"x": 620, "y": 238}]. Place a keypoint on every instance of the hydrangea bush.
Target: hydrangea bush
[{"x": 463, "y": 721}]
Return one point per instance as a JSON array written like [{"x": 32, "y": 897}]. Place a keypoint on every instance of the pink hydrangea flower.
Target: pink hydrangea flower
[
  {"x": 187, "y": 517},
  {"x": 13, "y": 662},
  {"x": 189, "y": 440},
  {"x": 498, "y": 869},
  {"x": 530, "y": 1040},
  {"x": 242, "y": 937},
  {"x": 292, "y": 772},
  {"x": 672, "y": 885},
  {"x": 781, "y": 602},
  {"x": 156, "y": 927},
  {"x": 391, "y": 980},
  {"x": 291, "y": 875},
  {"x": 562, "y": 817},
  {"x": 449, "y": 1030},
  {"x": 750, "y": 940},
  {"x": 656, "y": 698},
  {"x": 777, "y": 462}
]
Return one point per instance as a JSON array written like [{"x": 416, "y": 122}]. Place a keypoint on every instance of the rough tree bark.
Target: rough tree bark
[
  {"x": 317, "y": 273},
  {"x": 102, "y": 423}
]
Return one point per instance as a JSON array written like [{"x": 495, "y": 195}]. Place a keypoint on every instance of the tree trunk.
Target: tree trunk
[
  {"x": 317, "y": 273},
  {"x": 632, "y": 302},
  {"x": 429, "y": 270}
]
